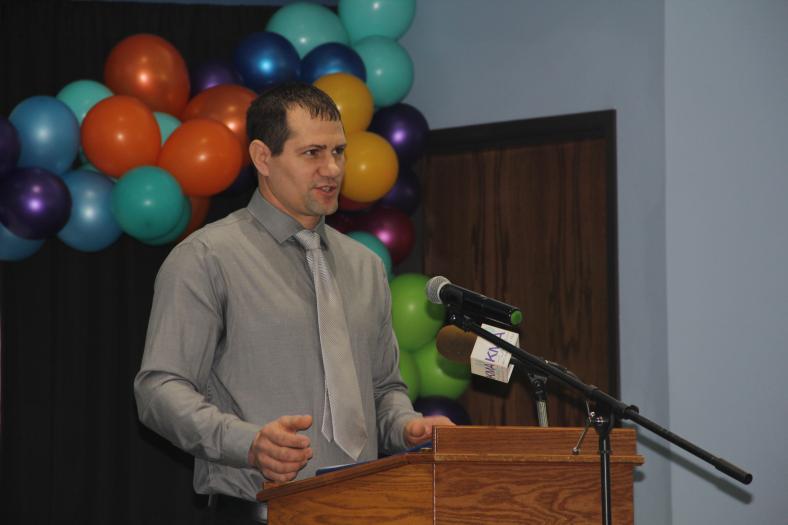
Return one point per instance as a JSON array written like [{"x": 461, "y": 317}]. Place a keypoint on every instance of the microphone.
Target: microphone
[
  {"x": 441, "y": 291},
  {"x": 489, "y": 361}
]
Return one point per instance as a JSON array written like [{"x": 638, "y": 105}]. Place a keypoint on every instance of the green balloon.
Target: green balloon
[
  {"x": 410, "y": 374},
  {"x": 438, "y": 376},
  {"x": 186, "y": 215},
  {"x": 147, "y": 202},
  {"x": 374, "y": 244},
  {"x": 167, "y": 124},
  {"x": 307, "y": 25},
  {"x": 416, "y": 320},
  {"x": 363, "y": 18},
  {"x": 81, "y": 95},
  {"x": 389, "y": 69}
]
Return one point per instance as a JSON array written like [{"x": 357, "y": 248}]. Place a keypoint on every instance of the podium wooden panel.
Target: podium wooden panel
[{"x": 472, "y": 475}]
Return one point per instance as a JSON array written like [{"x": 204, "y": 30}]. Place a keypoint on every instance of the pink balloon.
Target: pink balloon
[{"x": 394, "y": 229}]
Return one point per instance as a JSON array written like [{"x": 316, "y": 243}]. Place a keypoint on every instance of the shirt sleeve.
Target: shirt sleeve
[
  {"x": 185, "y": 327},
  {"x": 392, "y": 403}
]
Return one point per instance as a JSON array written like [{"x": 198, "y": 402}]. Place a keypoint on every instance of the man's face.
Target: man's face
[{"x": 304, "y": 180}]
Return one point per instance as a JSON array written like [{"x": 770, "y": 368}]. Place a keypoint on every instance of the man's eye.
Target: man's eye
[
  {"x": 311, "y": 152},
  {"x": 339, "y": 152}
]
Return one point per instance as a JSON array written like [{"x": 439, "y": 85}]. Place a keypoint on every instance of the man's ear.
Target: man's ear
[{"x": 260, "y": 153}]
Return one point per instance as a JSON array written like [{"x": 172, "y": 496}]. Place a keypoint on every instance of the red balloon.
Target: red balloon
[
  {"x": 346, "y": 204},
  {"x": 342, "y": 222},
  {"x": 203, "y": 156},
  {"x": 394, "y": 229},
  {"x": 120, "y": 133},
  {"x": 151, "y": 69},
  {"x": 226, "y": 103}
]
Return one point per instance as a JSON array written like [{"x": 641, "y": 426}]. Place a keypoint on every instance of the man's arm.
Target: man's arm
[
  {"x": 399, "y": 426},
  {"x": 185, "y": 327}
]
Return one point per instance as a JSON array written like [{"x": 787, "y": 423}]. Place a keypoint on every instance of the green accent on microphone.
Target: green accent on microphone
[{"x": 516, "y": 317}]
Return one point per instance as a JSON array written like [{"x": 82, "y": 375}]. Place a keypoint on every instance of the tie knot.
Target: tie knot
[{"x": 309, "y": 239}]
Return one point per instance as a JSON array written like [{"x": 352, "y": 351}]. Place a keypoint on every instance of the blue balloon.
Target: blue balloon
[
  {"x": 332, "y": 58},
  {"x": 266, "y": 59},
  {"x": 48, "y": 134},
  {"x": 13, "y": 248},
  {"x": 91, "y": 226}
]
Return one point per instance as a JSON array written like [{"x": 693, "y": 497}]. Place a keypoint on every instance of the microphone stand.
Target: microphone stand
[{"x": 608, "y": 409}]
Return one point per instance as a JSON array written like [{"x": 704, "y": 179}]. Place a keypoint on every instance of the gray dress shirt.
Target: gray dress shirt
[{"x": 233, "y": 344}]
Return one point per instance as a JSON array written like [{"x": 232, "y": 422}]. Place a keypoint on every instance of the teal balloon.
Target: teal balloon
[
  {"x": 410, "y": 374},
  {"x": 416, "y": 321},
  {"x": 48, "y": 134},
  {"x": 167, "y": 124},
  {"x": 91, "y": 227},
  {"x": 147, "y": 202},
  {"x": 437, "y": 375},
  {"x": 307, "y": 26},
  {"x": 374, "y": 244},
  {"x": 389, "y": 69},
  {"x": 15, "y": 248},
  {"x": 81, "y": 95},
  {"x": 389, "y": 18},
  {"x": 176, "y": 232}
]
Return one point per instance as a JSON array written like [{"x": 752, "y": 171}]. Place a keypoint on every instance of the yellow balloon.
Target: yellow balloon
[
  {"x": 352, "y": 97},
  {"x": 371, "y": 167}
]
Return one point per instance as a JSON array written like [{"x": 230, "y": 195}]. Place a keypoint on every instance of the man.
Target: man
[{"x": 236, "y": 357}]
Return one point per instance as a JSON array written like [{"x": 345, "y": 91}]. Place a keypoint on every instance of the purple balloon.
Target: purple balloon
[
  {"x": 9, "y": 146},
  {"x": 442, "y": 406},
  {"x": 405, "y": 128},
  {"x": 34, "y": 203},
  {"x": 405, "y": 194},
  {"x": 393, "y": 227},
  {"x": 212, "y": 73}
]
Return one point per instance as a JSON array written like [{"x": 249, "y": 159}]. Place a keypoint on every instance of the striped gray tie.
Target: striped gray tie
[{"x": 343, "y": 415}]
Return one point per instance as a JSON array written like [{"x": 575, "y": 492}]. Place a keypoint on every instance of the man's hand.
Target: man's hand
[
  {"x": 419, "y": 430},
  {"x": 279, "y": 451}
]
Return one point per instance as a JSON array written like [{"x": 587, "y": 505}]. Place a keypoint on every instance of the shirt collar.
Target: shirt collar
[{"x": 280, "y": 225}]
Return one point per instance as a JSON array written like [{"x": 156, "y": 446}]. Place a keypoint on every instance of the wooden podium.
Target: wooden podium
[{"x": 472, "y": 475}]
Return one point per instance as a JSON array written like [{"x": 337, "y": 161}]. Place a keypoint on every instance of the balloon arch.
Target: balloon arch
[{"x": 143, "y": 152}]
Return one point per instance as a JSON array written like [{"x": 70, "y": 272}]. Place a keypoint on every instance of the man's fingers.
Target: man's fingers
[{"x": 296, "y": 423}]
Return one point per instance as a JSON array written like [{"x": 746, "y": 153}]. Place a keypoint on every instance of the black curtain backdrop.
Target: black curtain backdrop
[{"x": 73, "y": 324}]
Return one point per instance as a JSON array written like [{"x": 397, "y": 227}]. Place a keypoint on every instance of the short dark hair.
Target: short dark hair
[{"x": 266, "y": 118}]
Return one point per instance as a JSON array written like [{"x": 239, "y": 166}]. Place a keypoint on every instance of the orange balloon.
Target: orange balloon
[
  {"x": 151, "y": 69},
  {"x": 200, "y": 206},
  {"x": 203, "y": 156},
  {"x": 120, "y": 133},
  {"x": 371, "y": 167},
  {"x": 352, "y": 97},
  {"x": 226, "y": 103}
]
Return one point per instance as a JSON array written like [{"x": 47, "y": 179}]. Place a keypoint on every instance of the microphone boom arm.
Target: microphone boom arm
[{"x": 611, "y": 404}]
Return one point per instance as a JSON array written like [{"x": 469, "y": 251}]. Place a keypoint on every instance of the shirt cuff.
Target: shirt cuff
[{"x": 238, "y": 439}]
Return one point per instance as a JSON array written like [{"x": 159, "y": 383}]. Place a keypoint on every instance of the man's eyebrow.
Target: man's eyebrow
[{"x": 314, "y": 146}]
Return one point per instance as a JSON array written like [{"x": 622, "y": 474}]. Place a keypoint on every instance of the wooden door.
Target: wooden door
[{"x": 524, "y": 212}]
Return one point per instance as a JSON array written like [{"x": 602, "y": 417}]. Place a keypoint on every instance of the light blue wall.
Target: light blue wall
[
  {"x": 727, "y": 251},
  {"x": 503, "y": 60}
]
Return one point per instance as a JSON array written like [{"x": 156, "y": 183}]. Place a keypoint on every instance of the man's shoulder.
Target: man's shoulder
[{"x": 221, "y": 232}]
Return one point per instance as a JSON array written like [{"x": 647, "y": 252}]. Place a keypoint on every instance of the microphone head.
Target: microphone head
[
  {"x": 433, "y": 288},
  {"x": 455, "y": 344}
]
